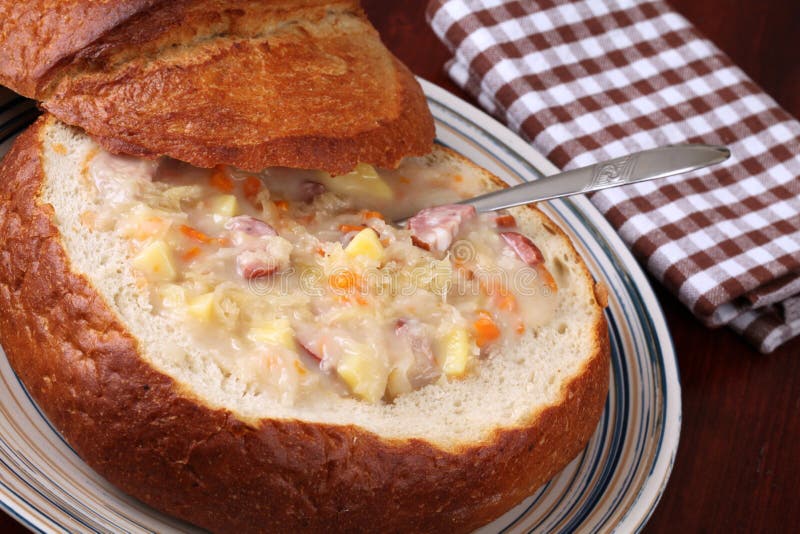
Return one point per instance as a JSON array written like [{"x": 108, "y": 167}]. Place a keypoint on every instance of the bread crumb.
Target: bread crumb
[
  {"x": 601, "y": 294},
  {"x": 85, "y": 167},
  {"x": 88, "y": 219}
]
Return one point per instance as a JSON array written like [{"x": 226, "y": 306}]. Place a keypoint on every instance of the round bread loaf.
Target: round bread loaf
[
  {"x": 253, "y": 84},
  {"x": 173, "y": 432}
]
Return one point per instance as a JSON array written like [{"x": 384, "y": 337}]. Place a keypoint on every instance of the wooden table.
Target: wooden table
[{"x": 738, "y": 465}]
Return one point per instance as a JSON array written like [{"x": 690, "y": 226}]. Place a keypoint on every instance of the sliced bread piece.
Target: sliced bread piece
[{"x": 296, "y": 83}]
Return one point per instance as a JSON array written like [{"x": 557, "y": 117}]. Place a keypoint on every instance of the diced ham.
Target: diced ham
[
  {"x": 414, "y": 332},
  {"x": 261, "y": 251},
  {"x": 325, "y": 345},
  {"x": 423, "y": 370},
  {"x": 244, "y": 224},
  {"x": 127, "y": 167},
  {"x": 307, "y": 348},
  {"x": 252, "y": 264},
  {"x": 120, "y": 178},
  {"x": 524, "y": 248},
  {"x": 310, "y": 190},
  {"x": 435, "y": 228}
]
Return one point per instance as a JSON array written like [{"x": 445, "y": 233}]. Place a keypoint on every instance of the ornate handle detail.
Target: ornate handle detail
[{"x": 612, "y": 172}]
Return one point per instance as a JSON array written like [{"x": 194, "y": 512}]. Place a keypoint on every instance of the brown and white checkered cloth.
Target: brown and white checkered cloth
[{"x": 590, "y": 80}]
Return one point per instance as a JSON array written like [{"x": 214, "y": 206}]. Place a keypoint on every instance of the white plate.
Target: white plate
[{"x": 613, "y": 485}]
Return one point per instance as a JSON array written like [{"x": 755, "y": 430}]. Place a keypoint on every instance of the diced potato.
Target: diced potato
[
  {"x": 365, "y": 243},
  {"x": 172, "y": 296},
  {"x": 145, "y": 223},
  {"x": 155, "y": 261},
  {"x": 170, "y": 199},
  {"x": 277, "y": 332},
  {"x": 398, "y": 383},
  {"x": 454, "y": 352},
  {"x": 226, "y": 310},
  {"x": 224, "y": 205},
  {"x": 201, "y": 307},
  {"x": 363, "y": 181},
  {"x": 366, "y": 377}
]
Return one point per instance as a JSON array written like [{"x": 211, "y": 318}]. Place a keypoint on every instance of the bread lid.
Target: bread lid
[{"x": 296, "y": 83}]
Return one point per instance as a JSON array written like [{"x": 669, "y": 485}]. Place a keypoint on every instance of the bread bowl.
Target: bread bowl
[
  {"x": 447, "y": 457},
  {"x": 110, "y": 330}
]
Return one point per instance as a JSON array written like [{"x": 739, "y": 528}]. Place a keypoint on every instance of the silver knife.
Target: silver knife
[{"x": 637, "y": 167}]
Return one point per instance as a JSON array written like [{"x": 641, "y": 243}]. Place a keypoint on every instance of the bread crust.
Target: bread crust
[
  {"x": 140, "y": 430},
  {"x": 37, "y": 35},
  {"x": 296, "y": 83}
]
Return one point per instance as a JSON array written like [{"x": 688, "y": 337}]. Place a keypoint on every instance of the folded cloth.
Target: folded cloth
[{"x": 587, "y": 81}]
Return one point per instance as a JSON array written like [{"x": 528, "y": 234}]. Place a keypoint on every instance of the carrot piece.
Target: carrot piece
[
  {"x": 506, "y": 301},
  {"x": 458, "y": 178},
  {"x": 547, "y": 278},
  {"x": 369, "y": 214},
  {"x": 251, "y": 187},
  {"x": 486, "y": 329},
  {"x": 505, "y": 221},
  {"x": 465, "y": 273},
  {"x": 282, "y": 205},
  {"x": 193, "y": 233},
  {"x": 220, "y": 179},
  {"x": 500, "y": 294},
  {"x": 351, "y": 298},
  {"x": 491, "y": 286},
  {"x": 345, "y": 280},
  {"x": 521, "y": 328},
  {"x": 345, "y": 228},
  {"x": 190, "y": 254}
]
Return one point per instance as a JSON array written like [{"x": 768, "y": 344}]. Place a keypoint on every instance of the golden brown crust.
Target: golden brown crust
[
  {"x": 601, "y": 294},
  {"x": 298, "y": 83},
  {"x": 36, "y": 35},
  {"x": 134, "y": 426}
]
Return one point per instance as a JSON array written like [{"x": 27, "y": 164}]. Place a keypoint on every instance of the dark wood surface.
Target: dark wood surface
[{"x": 738, "y": 464}]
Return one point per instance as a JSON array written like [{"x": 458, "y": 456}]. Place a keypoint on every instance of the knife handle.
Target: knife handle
[{"x": 637, "y": 167}]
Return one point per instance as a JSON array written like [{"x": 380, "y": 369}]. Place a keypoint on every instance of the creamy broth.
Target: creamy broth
[{"x": 295, "y": 281}]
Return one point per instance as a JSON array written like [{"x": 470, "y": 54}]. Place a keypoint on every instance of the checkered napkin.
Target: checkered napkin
[{"x": 591, "y": 80}]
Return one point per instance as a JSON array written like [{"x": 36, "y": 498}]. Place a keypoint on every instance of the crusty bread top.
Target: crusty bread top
[
  {"x": 36, "y": 35},
  {"x": 508, "y": 391},
  {"x": 297, "y": 83}
]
